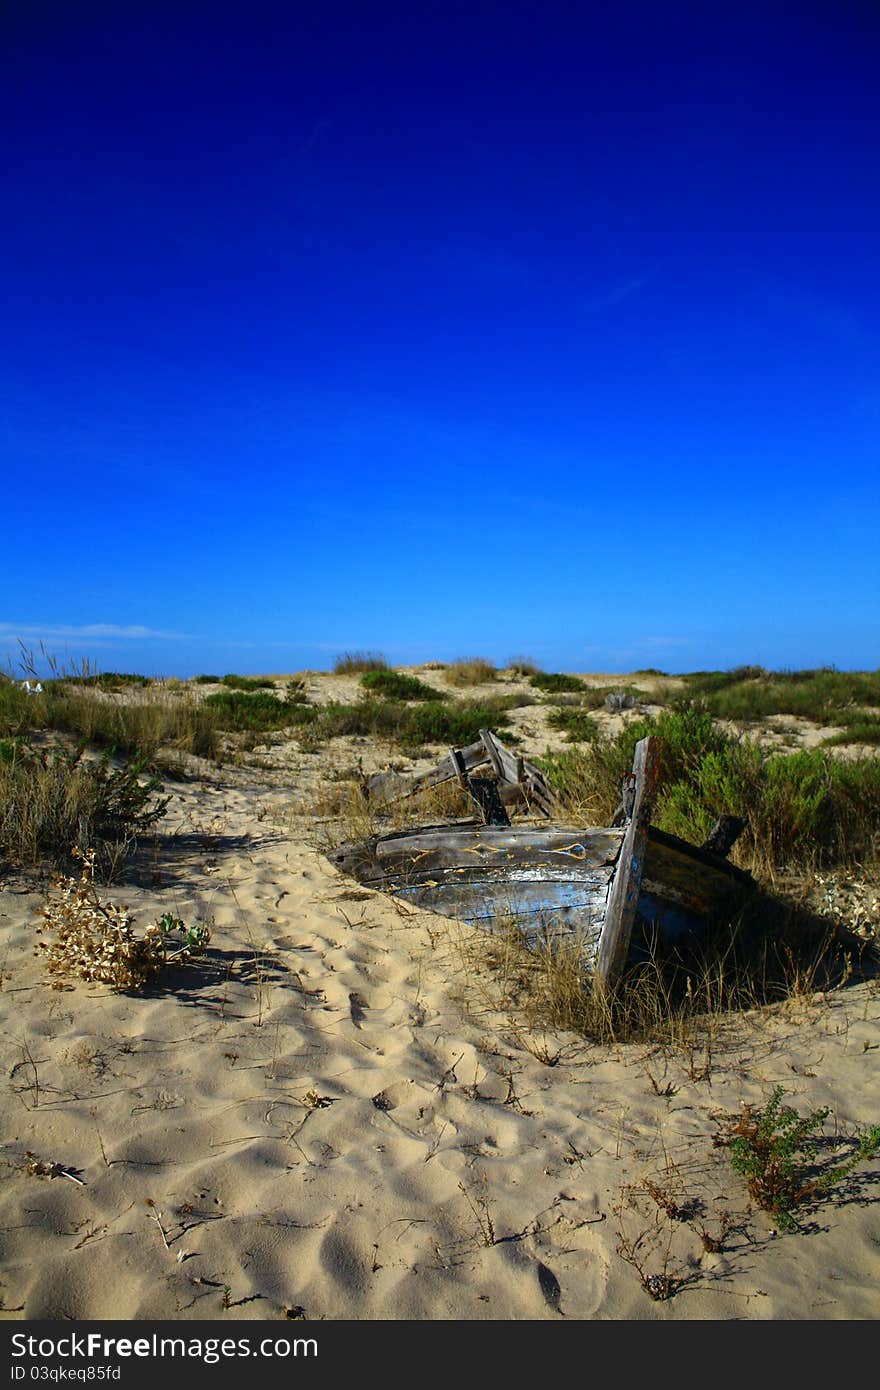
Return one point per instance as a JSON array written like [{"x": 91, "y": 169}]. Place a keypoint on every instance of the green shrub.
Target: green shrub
[
  {"x": 576, "y": 724},
  {"x": 858, "y": 727},
  {"x": 397, "y": 686},
  {"x": 109, "y": 680},
  {"x": 410, "y": 726},
  {"x": 247, "y": 683},
  {"x": 801, "y": 809},
  {"x": 556, "y": 682},
  {"x": 366, "y": 718},
  {"x": 237, "y": 710},
  {"x": 751, "y": 693},
  {"x": 450, "y": 724},
  {"x": 776, "y": 1151},
  {"x": 206, "y": 680}
]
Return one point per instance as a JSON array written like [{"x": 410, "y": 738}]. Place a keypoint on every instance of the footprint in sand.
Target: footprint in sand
[
  {"x": 356, "y": 1006},
  {"x": 343, "y": 1263}
]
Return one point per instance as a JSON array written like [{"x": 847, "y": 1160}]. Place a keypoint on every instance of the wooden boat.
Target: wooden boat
[{"x": 603, "y": 887}]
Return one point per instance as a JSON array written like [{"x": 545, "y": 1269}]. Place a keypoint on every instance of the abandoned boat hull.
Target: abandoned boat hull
[{"x": 552, "y": 884}]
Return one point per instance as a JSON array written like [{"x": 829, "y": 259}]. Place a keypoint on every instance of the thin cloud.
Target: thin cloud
[{"x": 66, "y": 632}]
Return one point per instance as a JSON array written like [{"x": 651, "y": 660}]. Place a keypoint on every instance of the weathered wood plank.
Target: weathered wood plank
[
  {"x": 724, "y": 835},
  {"x": 501, "y": 758},
  {"x": 703, "y": 884},
  {"x": 382, "y": 787},
  {"x": 460, "y": 769},
  {"x": 521, "y": 844},
  {"x": 540, "y": 911},
  {"x": 485, "y": 794},
  {"x": 493, "y": 753},
  {"x": 698, "y": 854},
  {"x": 504, "y": 884},
  {"x": 538, "y": 789},
  {"x": 623, "y": 898}
]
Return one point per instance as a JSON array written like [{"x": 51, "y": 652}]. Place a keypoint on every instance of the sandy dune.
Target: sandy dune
[{"x": 334, "y": 1117}]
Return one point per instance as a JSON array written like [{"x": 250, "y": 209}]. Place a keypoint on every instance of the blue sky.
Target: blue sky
[{"x": 440, "y": 330}]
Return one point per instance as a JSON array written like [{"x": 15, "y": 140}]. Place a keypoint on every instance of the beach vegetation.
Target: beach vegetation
[
  {"x": 411, "y": 726},
  {"x": 473, "y": 670},
  {"x": 54, "y": 800},
  {"x": 92, "y": 938},
  {"x": 355, "y": 663},
  {"x": 395, "y": 685},
  {"x": 556, "y": 682},
  {"x": 248, "y": 683},
  {"x": 858, "y": 727},
  {"x": 238, "y": 710},
  {"x": 750, "y": 693},
  {"x": 577, "y": 725},
  {"x": 523, "y": 666},
  {"x": 802, "y": 809},
  {"x": 109, "y": 681},
  {"x": 778, "y": 1153}
]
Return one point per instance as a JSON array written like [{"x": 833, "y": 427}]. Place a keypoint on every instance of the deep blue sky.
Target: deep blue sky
[{"x": 442, "y": 330}]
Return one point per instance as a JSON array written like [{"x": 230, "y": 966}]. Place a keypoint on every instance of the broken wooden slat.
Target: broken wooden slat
[
  {"x": 515, "y": 770},
  {"x": 623, "y": 899},
  {"x": 724, "y": 835},
  {"x": 401, "y": 858},
  {"x": 539, "y": 791},
  {"x": 501, "y": 758},
  {"x": 702, "y": 883},
  {"x": 541, "y": 910},
  {"x": 458, "y": 765},
  {"x": 383, "y": 787},
  {"x": 485, "y": 794}
]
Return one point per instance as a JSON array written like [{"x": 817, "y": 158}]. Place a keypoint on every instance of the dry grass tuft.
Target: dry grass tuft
[
  {"x": 473, "y": 670},
  {"x": 354, "y": 663}
]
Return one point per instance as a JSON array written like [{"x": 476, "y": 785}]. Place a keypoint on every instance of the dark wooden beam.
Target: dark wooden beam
[
  {"x": 623, "y": 898},
  {"x": 724, "y": 835}
]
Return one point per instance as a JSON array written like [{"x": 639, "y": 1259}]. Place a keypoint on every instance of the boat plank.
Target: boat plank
[
  {"x": 614, "y": 944},
  {"x": 503, "y": 845},
  {"x": 382, "y": 787}
]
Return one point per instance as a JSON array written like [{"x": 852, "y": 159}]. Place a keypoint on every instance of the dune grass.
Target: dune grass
[
  {"x": 410, "y": 726},
  {"x": 523, "y": 666},
  {"x": 54, "y": 801},
  {"x": 354, "y": 663},
  {"x": 474, "y": 670},
  {"x": 750, "y": 693},
  {"x": 859, "y": 726},
  {"x": 145, "y": 719},
  {"x": 238, "y": 710}
]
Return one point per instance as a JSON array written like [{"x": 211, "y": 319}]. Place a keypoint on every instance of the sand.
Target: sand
[{"x": 334, "y": 1116}]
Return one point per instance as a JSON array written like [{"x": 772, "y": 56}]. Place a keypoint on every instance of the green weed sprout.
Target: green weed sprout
[{"x": 775, "y": 1150}]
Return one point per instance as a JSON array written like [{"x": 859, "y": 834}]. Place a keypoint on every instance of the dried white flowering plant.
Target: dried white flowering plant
[{"x": 95, "y": 940}]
